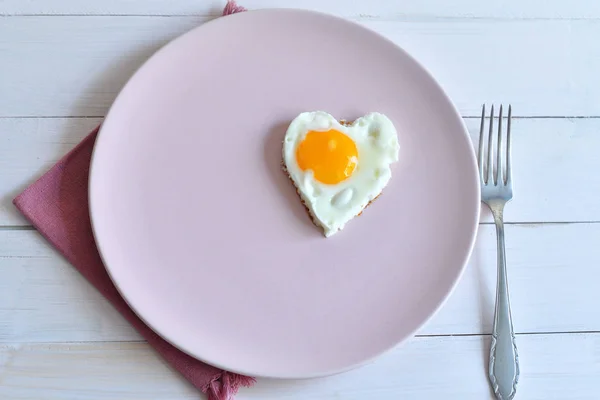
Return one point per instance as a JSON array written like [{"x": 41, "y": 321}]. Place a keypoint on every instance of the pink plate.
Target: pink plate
[{"x": 204, "y": 235}]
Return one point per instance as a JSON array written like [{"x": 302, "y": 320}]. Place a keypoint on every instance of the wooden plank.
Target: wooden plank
[
  {"x": 552, "y": 159},
  {"x": 475, "y": 60},
  {"x": 373, "y": 8},
  {"x": 42, "y": 296},
  {"x": 553, "y": 367},
  {"x": 90, "y": 59},
  {"x": 553, "y": 277},
  {"x": 28, "y": 148}
]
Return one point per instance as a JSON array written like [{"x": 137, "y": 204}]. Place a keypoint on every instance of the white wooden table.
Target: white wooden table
[{"x": 62, "y": 63}]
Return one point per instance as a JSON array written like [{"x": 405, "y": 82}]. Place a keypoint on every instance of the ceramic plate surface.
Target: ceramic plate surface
[{"x": 203, "y": 233}]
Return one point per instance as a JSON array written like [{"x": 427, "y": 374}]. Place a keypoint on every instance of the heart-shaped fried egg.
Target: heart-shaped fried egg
[{"x": 338, "y": 169}]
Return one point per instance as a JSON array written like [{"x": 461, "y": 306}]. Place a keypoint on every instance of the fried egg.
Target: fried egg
[{"x": 338, "y": 168}]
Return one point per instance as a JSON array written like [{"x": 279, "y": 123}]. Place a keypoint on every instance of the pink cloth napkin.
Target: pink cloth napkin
[{"x": 57, "y": 206}]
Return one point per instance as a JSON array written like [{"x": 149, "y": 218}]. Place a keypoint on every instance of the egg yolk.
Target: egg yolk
[{"x": 331, "y": 155}]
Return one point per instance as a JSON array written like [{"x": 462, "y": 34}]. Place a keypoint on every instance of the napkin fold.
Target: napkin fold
[{"x": 57, "y": 206}]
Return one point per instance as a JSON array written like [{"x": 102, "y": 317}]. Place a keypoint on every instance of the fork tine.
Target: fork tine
[
  {"x": 481, "y": 147},
  {"x": 490, "y": 160},
  {"x": 508, "y": 147},
  {"x": 499, "y": 166}
]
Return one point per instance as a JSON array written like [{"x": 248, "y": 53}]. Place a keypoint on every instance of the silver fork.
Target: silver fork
[{"x": 496, "y": 191}]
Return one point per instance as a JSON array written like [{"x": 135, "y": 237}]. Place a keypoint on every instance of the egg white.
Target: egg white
[{"x": 332, "y": 206}]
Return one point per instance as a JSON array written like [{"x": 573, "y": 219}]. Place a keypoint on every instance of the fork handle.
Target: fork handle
[{"x": 504, "y": 360}]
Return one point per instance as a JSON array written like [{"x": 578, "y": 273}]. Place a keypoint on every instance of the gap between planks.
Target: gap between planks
[
  {"x": 431, "y": 336},
  {"x": 353, "y": 17},
  {"x": 567, "y": 117},
  {"x": 531, "y": 224}
]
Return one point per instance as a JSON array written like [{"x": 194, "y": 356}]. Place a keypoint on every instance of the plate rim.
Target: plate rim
[{"x": 401, "y": 341}]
